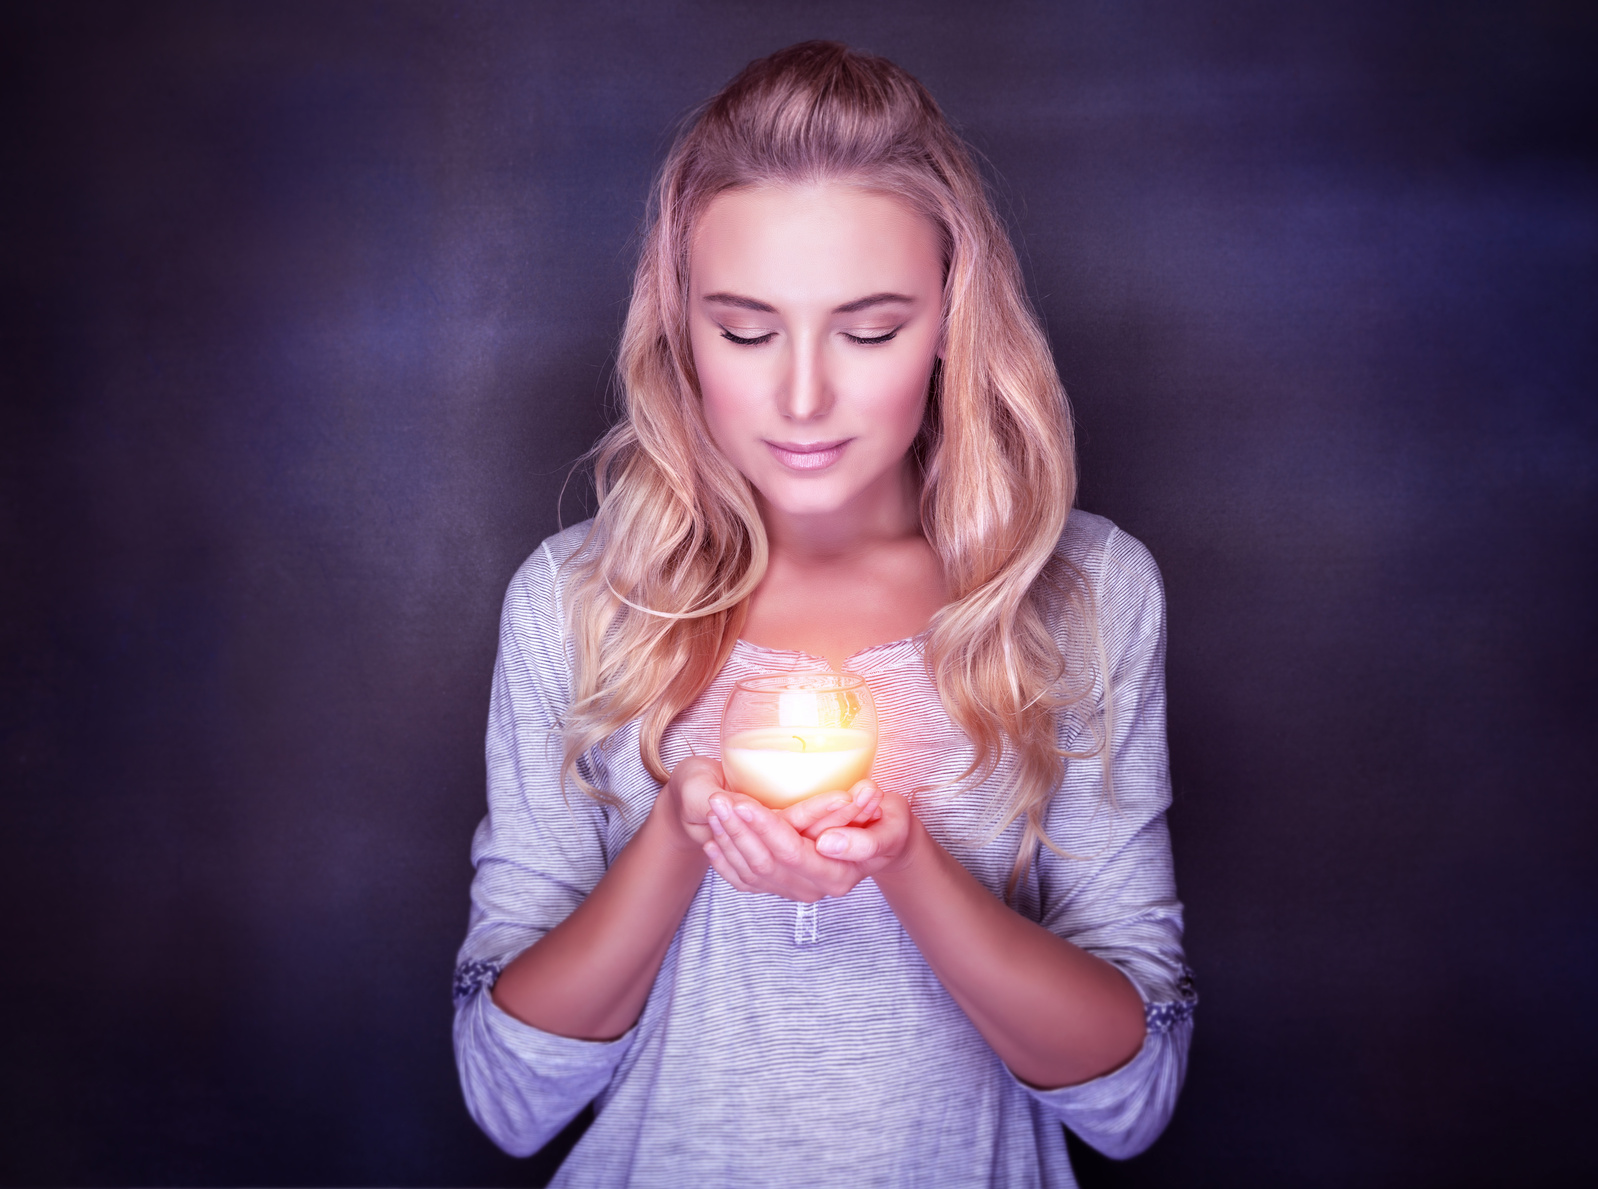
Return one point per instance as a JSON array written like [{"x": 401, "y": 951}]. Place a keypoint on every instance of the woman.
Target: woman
[{"x": 845, "y": 447}]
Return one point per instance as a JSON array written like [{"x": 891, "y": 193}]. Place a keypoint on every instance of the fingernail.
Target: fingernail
[
  {"x": 838, "y": 803},
  {"x": 831, "y": 844},
  {"x": 720, "y": 806},
  {"x": 747, "y": 812}
]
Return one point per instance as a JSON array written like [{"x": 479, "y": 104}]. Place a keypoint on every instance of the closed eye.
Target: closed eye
[
  {"x": 867, "y": 341},
  {"x": 743, "y": 342}
]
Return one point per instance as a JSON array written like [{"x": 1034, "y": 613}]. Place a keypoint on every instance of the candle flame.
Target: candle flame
[{"x": 798, "y": 708}]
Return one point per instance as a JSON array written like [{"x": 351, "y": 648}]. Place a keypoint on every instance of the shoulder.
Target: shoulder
[
  {"x": 539, "y": 577},
  {"x": 1119, "y": 572},
  {"x": 1100, "y": 550},
  {"x": 533, "y": 598}
]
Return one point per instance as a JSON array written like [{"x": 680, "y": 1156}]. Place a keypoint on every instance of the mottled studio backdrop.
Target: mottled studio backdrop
[{"x": 309, "y": 307}]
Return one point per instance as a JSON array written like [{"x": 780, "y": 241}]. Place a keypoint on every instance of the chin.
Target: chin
[{"x": 815, "y": 501}]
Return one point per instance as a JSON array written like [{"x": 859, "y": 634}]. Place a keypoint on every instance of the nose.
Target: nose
[{"x": 806, "y": 392}]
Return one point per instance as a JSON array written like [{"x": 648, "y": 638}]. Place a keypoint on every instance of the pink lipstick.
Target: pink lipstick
[{"x": 808, "y": 456}]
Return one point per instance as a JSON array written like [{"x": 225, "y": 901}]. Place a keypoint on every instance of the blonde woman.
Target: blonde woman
[{"x": 845, "y": 447}]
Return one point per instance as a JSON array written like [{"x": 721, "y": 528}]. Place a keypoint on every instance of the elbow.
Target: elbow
[
  {"x": 1071, "y": 1066},
  {"x": 1115, "y": 1039},
  {"x": 1122, "y": 1041},
  {"x": 515, "y": 1124},
  {"x": 520, "y": 1096},
  {"x": 1126, "y": 1122}
]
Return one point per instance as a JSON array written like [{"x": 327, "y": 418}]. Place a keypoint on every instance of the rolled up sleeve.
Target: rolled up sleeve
[
  {"x": 538, "y": 853},
  {"x": 1114, "y": 894}
]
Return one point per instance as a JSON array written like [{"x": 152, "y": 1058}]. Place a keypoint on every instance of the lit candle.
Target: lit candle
[
  {"x": 778, "y": 766},
  {"x": 785, "y": 737}
]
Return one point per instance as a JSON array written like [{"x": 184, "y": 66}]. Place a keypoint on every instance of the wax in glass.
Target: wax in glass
[{"x": 791, "y": 736}]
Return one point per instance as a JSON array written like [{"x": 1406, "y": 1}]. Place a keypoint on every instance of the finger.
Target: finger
[
  {"x": 867, "y": 797},
  {"x": 707, "y": 780},
  {"x": 743, "y": 844},
  {"x": 812, "y": 811},
  {"x": 731, "y": 854},
  {"x": 718, "y": 860},
  {"x": 765, "y": 839},
  {"x": 737, "y": 862},
  {"x": 790, "y": 882},
  {"x": 882, "y": 839},
  {"x": 864, "y": 798},
  {"x": 843, "y": 816},
  {"x": 795, "y": 870},
  {"x": 890, "y": 823}
]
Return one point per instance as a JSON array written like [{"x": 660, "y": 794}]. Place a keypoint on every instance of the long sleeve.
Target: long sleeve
[
  {"x": 1117, "y": 897},
  {"x": 538, "y": 853}
]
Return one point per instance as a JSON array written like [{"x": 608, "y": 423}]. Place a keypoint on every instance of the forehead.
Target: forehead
[{"x": 824, "y": 241}]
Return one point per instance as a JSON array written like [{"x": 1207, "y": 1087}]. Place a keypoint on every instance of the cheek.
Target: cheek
[
  {"x": 729, "y": 396},
  {"x": 711, "y": 370},
  {"x": 897, "y": 394},
  {"x": 718, "y": 393}
]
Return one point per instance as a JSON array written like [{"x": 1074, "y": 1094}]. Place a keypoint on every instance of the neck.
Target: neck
[{"x": 887, "y": 511}]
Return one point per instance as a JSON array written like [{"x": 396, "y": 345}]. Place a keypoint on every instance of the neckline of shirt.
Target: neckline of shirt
[{"x": 888, "y": 653}]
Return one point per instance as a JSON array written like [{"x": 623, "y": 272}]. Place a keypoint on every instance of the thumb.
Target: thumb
[{"x": 847, "y": 843}]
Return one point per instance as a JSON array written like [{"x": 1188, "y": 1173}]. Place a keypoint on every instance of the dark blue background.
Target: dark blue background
[{"x": 309, "y": 307}]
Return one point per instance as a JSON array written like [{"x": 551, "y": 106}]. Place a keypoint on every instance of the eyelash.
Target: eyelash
[{"x": 853, "y": 338}]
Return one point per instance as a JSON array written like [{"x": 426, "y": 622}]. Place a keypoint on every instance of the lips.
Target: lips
[{"x": 807, "y": 456}]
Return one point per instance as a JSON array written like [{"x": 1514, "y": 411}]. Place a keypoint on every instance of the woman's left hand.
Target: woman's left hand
[{"x": 798, "y": 856}]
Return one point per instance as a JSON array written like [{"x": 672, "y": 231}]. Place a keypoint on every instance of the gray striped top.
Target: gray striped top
[{"x": 782, "y": 1046}]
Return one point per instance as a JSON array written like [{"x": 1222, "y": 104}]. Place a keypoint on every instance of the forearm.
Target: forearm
[
  {"x": 1055, "y": 1014},
  {"x": 589, "y": 976}
]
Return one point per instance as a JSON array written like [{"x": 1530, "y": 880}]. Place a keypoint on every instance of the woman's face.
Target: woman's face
[{"x": 815, "y": 317}]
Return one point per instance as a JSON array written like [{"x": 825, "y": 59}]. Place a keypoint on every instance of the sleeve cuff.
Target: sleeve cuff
[
  {"x": 523, "y": 1084},
  {"x": 550, "y": 1054},
  {"x": 1122, "y": 1112}
]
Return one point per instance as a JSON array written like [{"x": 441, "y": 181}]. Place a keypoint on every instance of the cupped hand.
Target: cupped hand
[
  {"x": 684, "y": 804},
  {"x": 814, "y": 816},
  {"x": 818, "y": 848}
]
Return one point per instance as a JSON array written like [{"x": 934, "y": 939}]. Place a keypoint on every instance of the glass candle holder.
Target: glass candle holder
[{"x": 789, "y": 736}]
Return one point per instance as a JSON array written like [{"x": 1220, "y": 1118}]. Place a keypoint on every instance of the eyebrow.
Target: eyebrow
[
  {"x": 743, "y": 303},
  {"x": 849, "y": 307},
  {"x": 876, "y": 299}
]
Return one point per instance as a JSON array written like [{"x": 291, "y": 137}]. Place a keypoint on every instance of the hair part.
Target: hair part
[{"x": 658, "y": 593}]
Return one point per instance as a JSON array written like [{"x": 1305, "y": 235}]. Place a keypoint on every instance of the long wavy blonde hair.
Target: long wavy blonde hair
[{"x": 657, "y": 595}]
